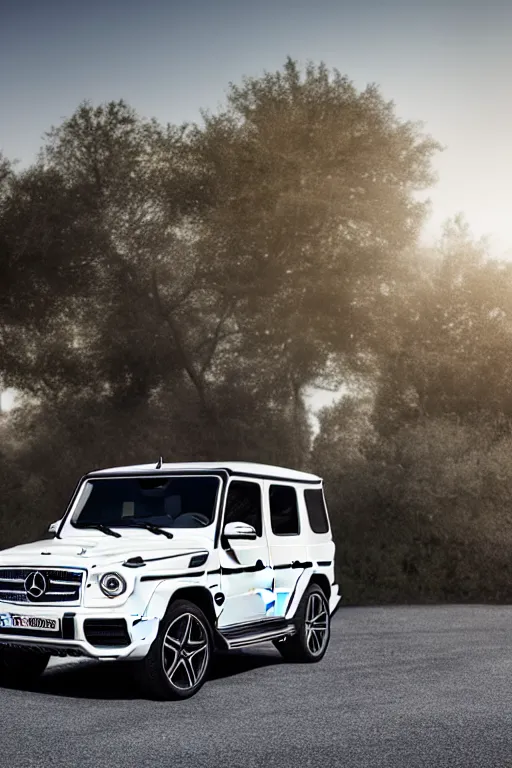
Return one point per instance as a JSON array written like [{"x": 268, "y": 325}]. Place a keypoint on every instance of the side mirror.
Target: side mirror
[{"x": 240, "y": 531}]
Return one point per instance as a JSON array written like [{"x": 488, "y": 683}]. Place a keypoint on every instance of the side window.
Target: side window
[
  {"x": 243, "y": 505},
  {"x": 317, "y": 512},
  {"x": 284, "y": 513}
]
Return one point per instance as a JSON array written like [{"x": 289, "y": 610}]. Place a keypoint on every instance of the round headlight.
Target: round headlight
[{"x": 112, "y": 584}]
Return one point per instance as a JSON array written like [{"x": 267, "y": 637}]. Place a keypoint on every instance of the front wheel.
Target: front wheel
[
  {"x": 310, "y": 642},
  {"x": 178, "y": 661},
  {"x": 21, "y": 666}
]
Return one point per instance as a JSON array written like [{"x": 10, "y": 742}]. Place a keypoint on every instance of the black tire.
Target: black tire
[
  {"x": 184, "y": 641},
  {"x": 21, "y": 666},
  {"x": 306, "y": 646}
]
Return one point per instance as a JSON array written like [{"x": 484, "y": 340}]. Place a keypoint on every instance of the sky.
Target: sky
[{"x": 445, "y": 63}]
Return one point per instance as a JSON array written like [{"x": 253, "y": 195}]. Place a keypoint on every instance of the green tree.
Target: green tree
[
  {"x": 314, "y": 188},
  {"x": 248, "y": 251},
  {"x": 451, "y": 347},
  {"x": 183, "y": 287}
]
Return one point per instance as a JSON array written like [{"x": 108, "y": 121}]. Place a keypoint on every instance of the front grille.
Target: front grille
[
  {"x": 58, "y": 585},
  {"x": 106, "y": 632}
]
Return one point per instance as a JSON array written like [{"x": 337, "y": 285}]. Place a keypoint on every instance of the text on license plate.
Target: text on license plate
[{"x": 28, "y": 622}]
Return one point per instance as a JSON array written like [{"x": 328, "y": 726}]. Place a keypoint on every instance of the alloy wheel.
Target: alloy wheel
[
  {"x": 185, "y": 651},
  {"x": 317, "y": 624}
]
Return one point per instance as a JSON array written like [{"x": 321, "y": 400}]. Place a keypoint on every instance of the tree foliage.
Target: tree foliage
[{"x": 178, "y": 290}]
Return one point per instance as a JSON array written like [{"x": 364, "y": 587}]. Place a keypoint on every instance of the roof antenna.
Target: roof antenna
[{"x": 159, "y": 463}]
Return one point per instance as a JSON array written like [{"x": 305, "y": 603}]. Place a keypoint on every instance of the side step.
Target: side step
[{"x": 240, "y": 635}]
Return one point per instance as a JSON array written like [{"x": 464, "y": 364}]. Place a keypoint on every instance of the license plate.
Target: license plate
[{"x": 13, "y": 621}]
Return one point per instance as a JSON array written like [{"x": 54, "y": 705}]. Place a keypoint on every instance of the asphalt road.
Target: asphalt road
[{"x": 399, "y": 686}]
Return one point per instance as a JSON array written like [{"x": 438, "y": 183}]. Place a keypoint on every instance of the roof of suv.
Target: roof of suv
[{"x": 232, "y": 467}]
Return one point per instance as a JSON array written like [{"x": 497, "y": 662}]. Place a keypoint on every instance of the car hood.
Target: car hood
[{"x": 84, "y": 551}]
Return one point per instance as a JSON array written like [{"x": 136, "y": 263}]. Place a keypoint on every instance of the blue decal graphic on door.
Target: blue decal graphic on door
[
  {"x": 281, "y": 602},
  {"x": 268, "y": 598}
]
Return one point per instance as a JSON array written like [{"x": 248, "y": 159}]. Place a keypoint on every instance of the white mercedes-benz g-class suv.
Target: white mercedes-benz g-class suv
[{"x": 163, "y": 565}]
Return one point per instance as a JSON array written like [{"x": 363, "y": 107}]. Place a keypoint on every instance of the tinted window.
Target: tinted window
[
  {"x": 284, "y": 514},
  {"x": 317, "y": 512},
  {"x": 172, "y": 502},
  {"x": 243, "y": 505}
]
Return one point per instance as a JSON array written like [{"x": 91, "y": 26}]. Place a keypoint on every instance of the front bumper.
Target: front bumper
[{"x": 95, "y": 634}]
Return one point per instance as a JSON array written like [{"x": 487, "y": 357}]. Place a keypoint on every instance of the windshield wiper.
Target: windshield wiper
[
  {"x": 154, "y": 529},
  {"x": 103, "y": 528}
]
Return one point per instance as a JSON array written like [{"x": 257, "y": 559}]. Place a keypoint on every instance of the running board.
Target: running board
[
  {"x": 263, "y": 638},
  {"x": 238, "y": 636}
]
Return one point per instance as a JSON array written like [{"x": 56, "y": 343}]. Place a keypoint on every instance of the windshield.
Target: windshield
[{"x": 169, "y": 502}]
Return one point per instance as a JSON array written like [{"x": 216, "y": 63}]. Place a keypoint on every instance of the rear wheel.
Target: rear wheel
[
  {"x": 178, "y": 661},
  {"x": 21, "y": 666},
  {"x": 310, "y": 642}
]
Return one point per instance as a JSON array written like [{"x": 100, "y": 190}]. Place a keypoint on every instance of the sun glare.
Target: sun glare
[{"x": 7, "y": 400}]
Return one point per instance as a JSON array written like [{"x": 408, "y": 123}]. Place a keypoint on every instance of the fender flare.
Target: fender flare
[
  {"x": 166, "y": 591},
  {"x": 307, "y": 577}
]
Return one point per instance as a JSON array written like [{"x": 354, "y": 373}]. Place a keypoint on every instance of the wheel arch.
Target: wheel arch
[
  {"x": 165, "y": 594},
  {"x": 321, "y": 580},
  {"x": 304, "y": 582},
  {"x": 201, "y": 597}
]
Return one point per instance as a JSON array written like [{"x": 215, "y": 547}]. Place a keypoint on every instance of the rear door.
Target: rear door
[
  {"x": 287, "y": 538},
  {"x": 246, "y": 573}
]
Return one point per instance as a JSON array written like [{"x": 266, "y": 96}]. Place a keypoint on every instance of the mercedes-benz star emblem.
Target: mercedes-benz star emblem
[{"x": 35, "y": 585}]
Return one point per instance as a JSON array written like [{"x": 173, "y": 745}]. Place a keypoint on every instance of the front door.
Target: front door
[{"x": 247, "y": 579}]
